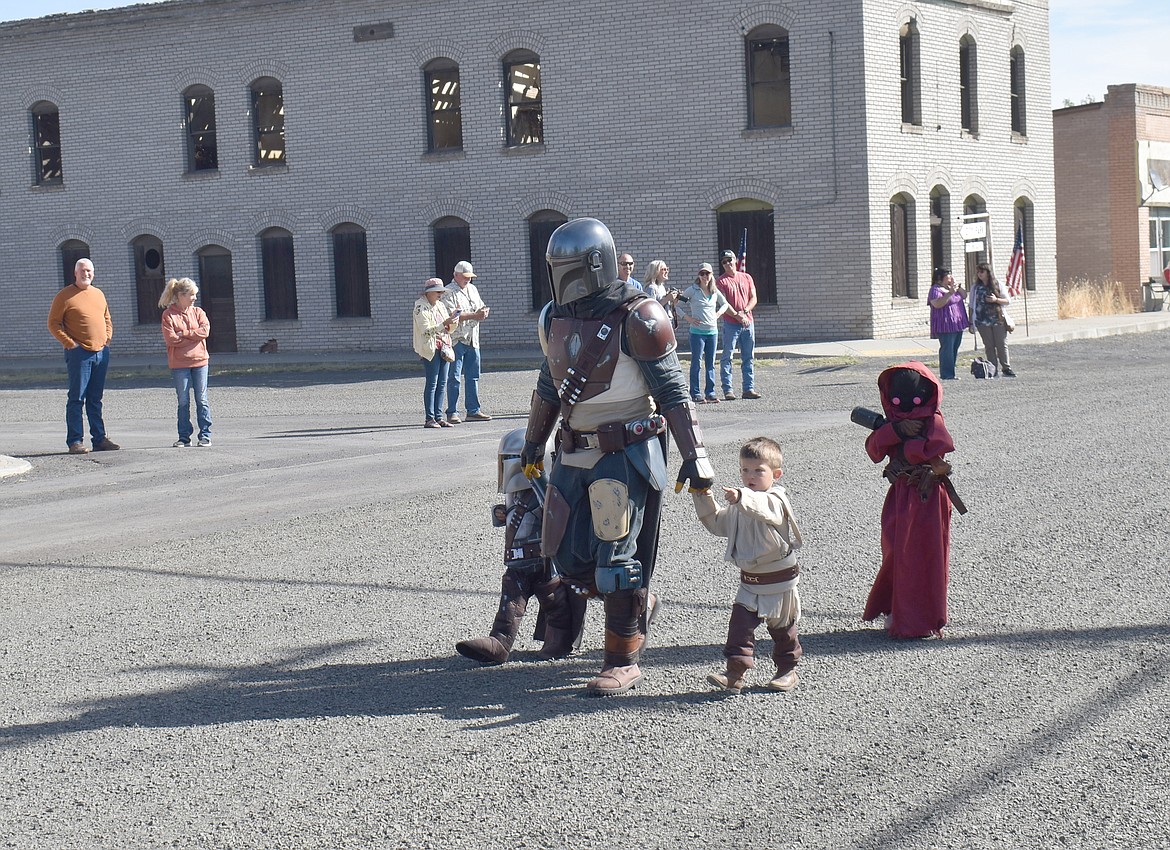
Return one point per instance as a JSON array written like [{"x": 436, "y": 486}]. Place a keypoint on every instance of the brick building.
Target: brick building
[
  {"x": 1112, "y": 167},
  {"x": 311, "y": 162}
]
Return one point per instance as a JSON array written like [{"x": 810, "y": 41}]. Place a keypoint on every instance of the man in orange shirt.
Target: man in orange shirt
[{"x": 80, "y": 320}]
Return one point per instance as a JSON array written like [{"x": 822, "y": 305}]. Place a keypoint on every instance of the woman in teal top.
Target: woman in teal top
[{"x": 701, "y": 306}]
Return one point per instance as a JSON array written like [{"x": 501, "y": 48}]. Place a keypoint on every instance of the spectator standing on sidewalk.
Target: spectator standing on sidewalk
[
  {"x": 738, "y": 326},
  {"x": 626, "y": 270},
  {"x": 989, "y": 299},
  {"x": 948, "y": 320},
  {"x": 185, "y": 329},
  {"x": 462, "y": 298},
  {"x": 80, "y": 320}
]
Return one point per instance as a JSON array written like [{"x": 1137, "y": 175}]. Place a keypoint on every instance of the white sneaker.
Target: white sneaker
[{"x": 205, "y": 441}]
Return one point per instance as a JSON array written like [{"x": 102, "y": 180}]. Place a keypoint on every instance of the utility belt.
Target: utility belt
[
  {"x": 612, "y": 436},
  {"x": 770, "y": 578},
  {"x": 923, "y": 479}
]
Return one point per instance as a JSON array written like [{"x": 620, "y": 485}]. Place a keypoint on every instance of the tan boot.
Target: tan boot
[
  {"x": 485, "y": 650},
  {"x": 735, "y": 679},
  {"x": 497, "y": 646},
  {"x": 615, "y": 680},
  {"x": 784, "y": 683}
]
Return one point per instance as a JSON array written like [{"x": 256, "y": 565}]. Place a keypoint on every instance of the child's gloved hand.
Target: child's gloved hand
[{"x": 906, "y": 428}]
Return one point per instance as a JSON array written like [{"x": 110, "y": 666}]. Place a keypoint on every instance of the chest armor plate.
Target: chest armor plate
[{"x": 567, "y": 339}]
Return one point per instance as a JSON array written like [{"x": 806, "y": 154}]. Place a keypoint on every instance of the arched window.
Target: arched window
[
  {"x": 1024, "y": 217},
  {"x": 217, "y": 296},
  {"x": 351, "y": 271},
  {"x": 268, "y": 121},
  {"x": 973, "y": 205},
  {"x": 149, "y": 278},
  {"x": 968, "y": 85},
  {"x": 46, "y": 125},
  {"x": 444, "y": 106},
  {"x": 280, "y": 274},
  {"x": 902, "y": 254},
  {"x": 541, "y": 225},
  {"x": 750, "y": 224},
  {"x": 1018, "y": 88},
  {"x": 523, "y": 109},
  {"x": 769, "y": 80},
  {"x": 452, "y": 240},
  {"x": 72, "y": 250},
  {"x": 940, "y": 228},
  {"x": 199, "y": 111},
  {"x": 908, "y": 65}
]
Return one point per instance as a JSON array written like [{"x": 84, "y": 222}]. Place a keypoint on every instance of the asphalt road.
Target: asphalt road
[{"x": 251, "y": 646}]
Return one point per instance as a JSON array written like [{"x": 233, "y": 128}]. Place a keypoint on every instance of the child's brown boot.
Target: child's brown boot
[
  {"x": 784, "y": 683},
  {"x": 735, "y": 678}
]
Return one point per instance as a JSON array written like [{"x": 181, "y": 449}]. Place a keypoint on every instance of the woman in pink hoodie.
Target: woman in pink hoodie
[{"x": 185, "y": 329}]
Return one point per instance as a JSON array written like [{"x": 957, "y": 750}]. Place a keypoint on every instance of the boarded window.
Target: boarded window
[
  {"x": 968, "y": 80},
  {"x": 452, "y": 237},
  {"x": 444, "y": 107},
  {"x": 280, "y": 276},
  {"x": 1018, "y": 80},
  {"x": 72, "y": 250},
  {"x": 769, "y": 78},
  {"x": 148, "y": 278},
  {"x": 908, "y": 64},
  {"x": 733, "y": 222},
  {"x": 524, "y": 112},
  {"x": 217, "y": 295},
  {"x": 202, "y": 153},
  {"x": 46, "y": 121},
  {"x": 940, "y": 233},
  {"x": 268, "y": 121},
  {"x": 351, "y": 273},
  {"x": 900, "y": 258},
  {"x": 540, "y": 227}
]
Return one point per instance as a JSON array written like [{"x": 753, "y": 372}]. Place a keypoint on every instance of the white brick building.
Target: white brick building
[{"x": 228, "y": 140}]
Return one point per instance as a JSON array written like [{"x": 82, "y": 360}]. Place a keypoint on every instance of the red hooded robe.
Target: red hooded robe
[{"x": 911, "y": 585}]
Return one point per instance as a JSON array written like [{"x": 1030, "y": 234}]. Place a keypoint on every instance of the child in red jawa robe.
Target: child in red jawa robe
[{"x": 911, "y": 586}]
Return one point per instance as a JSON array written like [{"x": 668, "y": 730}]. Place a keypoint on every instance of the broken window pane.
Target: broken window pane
[
  {"x": 525, "y": 111},
  {"x": 47, "y": 142},
  {"x": 202, "y": 153},
  {"x": 268, "y": 121},
  {"x": 446, "y": 111}
]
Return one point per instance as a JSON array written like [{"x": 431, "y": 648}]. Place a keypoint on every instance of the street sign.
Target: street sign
[
  {"x": 973, "y": 230},
  {"x": 973, "y": 247}
]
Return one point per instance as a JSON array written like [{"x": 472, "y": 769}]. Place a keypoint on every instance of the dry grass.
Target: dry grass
[{"x": 1078, "y": 298}]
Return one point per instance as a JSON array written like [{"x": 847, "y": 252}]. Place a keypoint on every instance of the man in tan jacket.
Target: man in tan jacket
[{"x": 80, "y": 320}]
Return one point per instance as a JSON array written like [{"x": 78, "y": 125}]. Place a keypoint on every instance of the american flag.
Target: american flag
[
  {"x": 742, "y": 266},
  {"x": 1015, "y": 270}
]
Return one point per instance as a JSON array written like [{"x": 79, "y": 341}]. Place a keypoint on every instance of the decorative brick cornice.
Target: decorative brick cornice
[
  {"x": 144, "y": 227},
  {"x": 1024, "y": 188},
  {"x": 265, "y": 68},
  {"x": 195, "y": 76},
  {"x": 444, "y": 207},
  {"x": 274, "y": 218},
  {"x": 766, "y": 13},
  {"x": 975, "y": 186},
  {"x": 547, "y": 200},
  {"x": 42, "y": 91},
  {"x": 759, "y": 190},
  {"x": 902, "y": 184},
  {"x": 211, "y": 236},
  {"x": 72, "y": 231},
  {"x": 346, "y": 213},
  {"x": 940, "y": 177},
  {"x": 440, "y": 48},
  {"x": 517, "y": 40}
]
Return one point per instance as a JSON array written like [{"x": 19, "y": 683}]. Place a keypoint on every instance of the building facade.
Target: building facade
[
  {"x": 310, "y": 163},
  {"x": 1113, "y": 187}
]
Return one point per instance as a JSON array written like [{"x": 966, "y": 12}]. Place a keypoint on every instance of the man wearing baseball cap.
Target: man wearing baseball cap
[
  {"x": 463, "y": 301},
  {"x": 740, "y": 291}
]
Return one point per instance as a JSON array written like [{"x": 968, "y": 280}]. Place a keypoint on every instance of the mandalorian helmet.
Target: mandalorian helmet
[{"x": 581, "y": 259}]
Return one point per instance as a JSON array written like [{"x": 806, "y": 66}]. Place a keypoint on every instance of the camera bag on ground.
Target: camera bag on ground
[{"x": 981, "y": 367}]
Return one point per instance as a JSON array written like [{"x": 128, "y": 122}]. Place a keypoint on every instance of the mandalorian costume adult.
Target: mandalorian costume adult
[{"x": 612, "y": 377}]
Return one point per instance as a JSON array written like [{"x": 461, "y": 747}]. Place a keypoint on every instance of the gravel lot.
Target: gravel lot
[{"x": 251, "y": 646}]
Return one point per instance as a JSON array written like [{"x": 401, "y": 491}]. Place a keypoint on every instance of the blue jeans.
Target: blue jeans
[
  {"x": 87, "y": 383},
  {"x": 703, "y": 348},
  {"x": 466, "y": 365},
  {"x": 745, "y": 337},
  {"x": 193, "y": 379},
  {"x": 435, "y": 387},
  {"x": 948, "y": 352}
]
